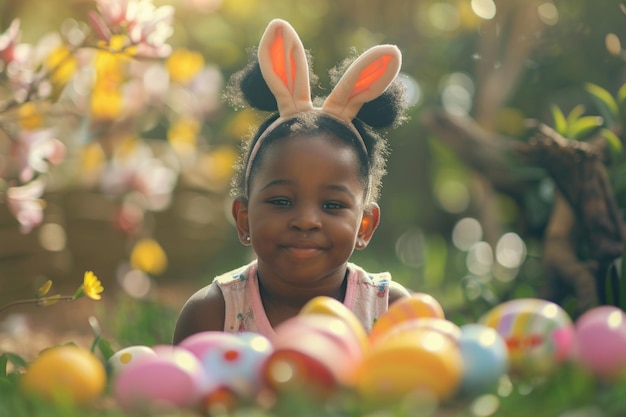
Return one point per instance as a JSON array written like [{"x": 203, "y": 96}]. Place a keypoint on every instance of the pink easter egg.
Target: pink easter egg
[
  {"x": 600, "y": 340},
  {"x": 538, "y": 333},
  {"x": 200, "y": 343},
  {"x": 172, "y": 378}
]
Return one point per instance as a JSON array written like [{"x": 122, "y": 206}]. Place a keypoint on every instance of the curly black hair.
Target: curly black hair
[{"x": 248, "y": 88}]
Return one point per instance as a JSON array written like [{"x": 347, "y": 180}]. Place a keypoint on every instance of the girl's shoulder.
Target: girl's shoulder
[
  {"x": 237, "y": 276},
  {"x": 378, "y": 278}
]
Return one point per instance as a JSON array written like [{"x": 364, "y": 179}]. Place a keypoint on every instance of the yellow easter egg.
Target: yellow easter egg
[
  {"x": 417, "y": 305},
  {"x": 422, "y": 362},
  {"x": 65, "y": 373},
  {"x": 331, "y": 307}
]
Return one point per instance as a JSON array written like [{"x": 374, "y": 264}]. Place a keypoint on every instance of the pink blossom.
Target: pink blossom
[
  {"x": 144, "y": 174},
  {"x": 24, "y": 203},
  {"x": 8, "y": 41},
  {"x": 35, "y": 151},
  {"x": 146, "y": 26}
]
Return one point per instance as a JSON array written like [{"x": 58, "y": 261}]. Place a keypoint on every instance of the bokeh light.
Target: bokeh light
[
  {"x": 457, "y": 91},
  {"x": 410, "y": 248},
  {"x": 453, "y": 196},
  {"x": 52, "y": 237},
  {"x": 548, "y": 13},
  {"x": 480, "y": 258},
  {"x": 485, "y": 9},
  {"x": 466, "y": 233},
  {"x": 443, "y": 16},
  {"x": 510, "y": 250}
]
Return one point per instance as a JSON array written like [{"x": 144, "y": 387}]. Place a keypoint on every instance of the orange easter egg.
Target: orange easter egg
[
  {"x": 417, "y": 305},
  {"x": 417, "y": 362}
]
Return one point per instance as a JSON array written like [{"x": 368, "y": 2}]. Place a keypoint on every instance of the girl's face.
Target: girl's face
[{"x": 305, "y": 213}]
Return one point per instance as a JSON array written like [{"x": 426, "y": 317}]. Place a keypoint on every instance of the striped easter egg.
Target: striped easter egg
[
  {"x": 417, "y": 305},
  {"x": 538, "y": 334}
]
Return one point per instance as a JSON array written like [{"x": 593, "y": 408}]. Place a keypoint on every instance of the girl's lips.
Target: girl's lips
[{"x": 302, "y": 252}]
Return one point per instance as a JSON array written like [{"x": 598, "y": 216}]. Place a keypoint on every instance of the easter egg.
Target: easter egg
[
  {"x": 421, "y": 362},
  {"x": 173, "y": 377},
  {"x": 335, "y": 308},
  {"x": 485, "y": 358},
  {"x": 65, "y": 373},
  {"x": 600, "y": 340},
  {"x": 235, "y": 365},
  {"x": 417, "y": 305},
  {"x": 538, "y": 334},
  {"x": 313, "y": 353},
  {"x": 200, "y": 343},
  {"x": 128, "y": 355},
  {"x": 445, "y": 327}
]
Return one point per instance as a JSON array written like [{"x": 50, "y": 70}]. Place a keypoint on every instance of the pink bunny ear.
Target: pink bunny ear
[
  {"x": 366, "y": 79},
  {"x": 284, "y": 67}
]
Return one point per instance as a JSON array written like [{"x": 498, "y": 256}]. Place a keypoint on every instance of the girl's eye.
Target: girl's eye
[
  {"x": 279, "y": 202},
  {"x": 333, "y": 205}
]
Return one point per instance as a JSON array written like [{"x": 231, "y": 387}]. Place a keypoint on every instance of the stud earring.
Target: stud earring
[
  {"x": 359, "y": 244},
  {"x": 247, "y": 238}
]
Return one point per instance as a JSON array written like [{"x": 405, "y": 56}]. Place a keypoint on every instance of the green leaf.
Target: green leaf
[
  {"x": 575, "y": 114},
  {"x": 105, "y": 348},
  {"x": 615, "y": 144},
  {"x": 581, "y": 127},
  {"x": 560, "y": 123},
  {"x": 621, "y": 95},
  {"x": 16, "y": 360},
  {"x": 605, "y": 97}
]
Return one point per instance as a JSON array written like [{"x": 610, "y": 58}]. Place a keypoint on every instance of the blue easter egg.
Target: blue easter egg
[{"x": 485, "y": 358}]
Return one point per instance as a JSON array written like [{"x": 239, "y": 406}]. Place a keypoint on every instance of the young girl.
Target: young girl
[{"x": 305, "y": 192}]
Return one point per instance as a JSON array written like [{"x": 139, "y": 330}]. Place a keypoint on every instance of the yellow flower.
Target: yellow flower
[
  {"x": 218, "y": 164},
  {"x": 62, "y": 65},
  {"x": 30, "y": 117},
  {"x": 92, "y": 287},
  {"x": 183, "y": 133},
  {"x": 106, "y": 104},
  {"x": 183, "y": 65},
  {"x": 149, "y": 257}
]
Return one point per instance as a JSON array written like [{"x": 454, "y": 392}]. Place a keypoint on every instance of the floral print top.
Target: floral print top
[{"x": 367, "y": 295}]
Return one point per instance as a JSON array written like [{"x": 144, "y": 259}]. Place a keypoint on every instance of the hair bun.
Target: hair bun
[
  {"x": 255, "y": 90},
  {"x": 388, "y": 110}
]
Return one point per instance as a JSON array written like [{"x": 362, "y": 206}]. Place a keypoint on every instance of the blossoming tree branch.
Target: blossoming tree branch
[{"x": 86, "y": 94}]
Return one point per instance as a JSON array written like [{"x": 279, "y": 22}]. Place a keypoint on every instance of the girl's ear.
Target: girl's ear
[
  {"x": 239, "y": 211},
  {"x": 369, "y": 223}
]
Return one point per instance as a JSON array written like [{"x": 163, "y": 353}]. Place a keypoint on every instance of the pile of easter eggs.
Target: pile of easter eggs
[{"x": 412, "y": 351}]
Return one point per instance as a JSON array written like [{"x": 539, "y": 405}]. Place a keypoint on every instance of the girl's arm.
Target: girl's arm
[
  {"x": 397, "y": 291},
  {"x": 204, "y": 311}
]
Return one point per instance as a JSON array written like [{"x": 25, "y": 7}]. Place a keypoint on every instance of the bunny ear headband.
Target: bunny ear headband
[{"x": 285, "y": 69}]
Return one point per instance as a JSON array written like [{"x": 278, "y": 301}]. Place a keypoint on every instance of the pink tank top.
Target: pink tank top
[{"x": 367, "y": 295}]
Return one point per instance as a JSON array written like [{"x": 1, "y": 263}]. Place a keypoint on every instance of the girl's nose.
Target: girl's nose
[{"x": 305, "y": 219}]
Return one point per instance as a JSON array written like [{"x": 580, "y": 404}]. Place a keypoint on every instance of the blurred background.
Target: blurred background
[{"x": 140, "y": 195}]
